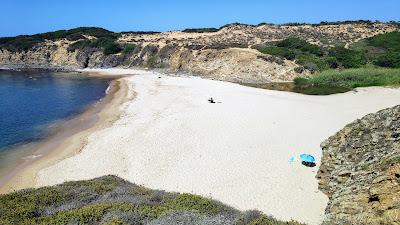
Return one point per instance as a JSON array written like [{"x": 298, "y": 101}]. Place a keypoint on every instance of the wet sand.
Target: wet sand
[{"x": 66, "y": 141}]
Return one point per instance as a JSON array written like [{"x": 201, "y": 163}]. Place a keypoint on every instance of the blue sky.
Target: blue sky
[{"x": 35, "y": 16}]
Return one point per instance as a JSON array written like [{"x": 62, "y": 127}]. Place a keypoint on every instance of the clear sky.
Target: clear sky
[{"x": 35, "y": 16}]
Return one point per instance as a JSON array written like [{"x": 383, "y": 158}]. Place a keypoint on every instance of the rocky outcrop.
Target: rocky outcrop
[
  {"x": 232, "y": 64},
  {"x": 360, "y": 171},
  {"x": 224, "y": 54}
]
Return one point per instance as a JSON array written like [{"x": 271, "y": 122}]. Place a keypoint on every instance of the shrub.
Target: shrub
[
  {"x": 279, "y": 51},
  {"x": 388, "y": 40},
  {"x": 201, "y": 30},
  {"x": 27, "y": 42},
  {"x": 390, "y": 59},
  {"x": 300, "y": 44},
  {"x": 306, "y": 54},
  {"x": 111, "y": 200},
  {"x": 79, "y": 45},
  {"x": 381, "y": 50},
  {"x": 111, "y": 48},
  {"x": 347, "y": 58},
  {"x": 312, "y": 62},
  {"x": 129, "y": 48},
  {"x": 353, "y": 78}
]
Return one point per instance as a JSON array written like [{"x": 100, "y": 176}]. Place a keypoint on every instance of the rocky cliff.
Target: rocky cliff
[
  {"x": 360, "y": 171},
  {"x": 225, "y": 54}
]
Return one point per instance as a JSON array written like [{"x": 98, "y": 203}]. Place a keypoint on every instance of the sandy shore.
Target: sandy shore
[
  {"x": 236, "y": 151},
  {"x": 68, "y": 140}
]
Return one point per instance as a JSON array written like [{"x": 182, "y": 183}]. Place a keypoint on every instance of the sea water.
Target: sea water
[{"x": 30, "y": 102}]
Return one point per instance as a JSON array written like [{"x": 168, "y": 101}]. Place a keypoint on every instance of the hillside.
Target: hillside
[
  {"x": 111, "y": 200},
  {"x": 230, "y": 53}
]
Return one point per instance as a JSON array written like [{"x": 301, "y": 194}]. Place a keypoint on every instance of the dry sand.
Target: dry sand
[
  {"x": 236, "y": 151},
  {"x": 169, "y": 137}
]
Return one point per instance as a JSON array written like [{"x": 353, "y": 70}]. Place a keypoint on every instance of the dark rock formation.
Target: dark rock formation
[
  {"x": 299, "y": 69},
  {"x": 360, "y": 171}
]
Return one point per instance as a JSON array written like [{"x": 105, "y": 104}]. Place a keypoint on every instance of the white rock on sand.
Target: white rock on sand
[{"x": 170, "y": 137}]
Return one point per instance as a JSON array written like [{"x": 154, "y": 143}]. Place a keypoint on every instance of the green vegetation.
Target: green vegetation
[
  {"x": 129, "y": 48},
  {"x": 278, "y": 51},
  {"x": 111, "y": 200},
  {"x": 306, "y": 54},
  {"x": 108, "y": 46},
  {"x": 381, "y": 50},
  {"x": 353, "y": 78},
  {"x": 102, "y": 39},
  {"x": 265, "y": 220},
  {"x": 347, "y": 58},
  {"x": 313, "y": 57},
  {"x": 389, "y": 46},
  {"x": 324, "y": 23},
  {"x": 301, "y": 45},
  {"x": 201, "y": 30},
  {"x": 370, "y": 62},
  {"x": 111, "y": 48}
]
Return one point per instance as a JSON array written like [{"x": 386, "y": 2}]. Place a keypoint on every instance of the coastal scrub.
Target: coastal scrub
[{"x": 111, "y": 200}]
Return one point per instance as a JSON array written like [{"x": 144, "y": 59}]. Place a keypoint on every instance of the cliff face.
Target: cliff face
[
  {"x": 360, "y": 171},
  {"x": 224, "y": 55}
]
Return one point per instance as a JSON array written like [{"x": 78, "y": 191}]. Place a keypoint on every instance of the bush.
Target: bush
[
  {"x": 347, "y": 58},
  {"x": 312, "y": 62},
  {"x": 111, "y": 48},
  {"x": 390, "y": 41},
  {"x": 305, "y": 54},
  {"x": 129, "y": 48},
  {"x": 201, "y": 30},
  {"x": 111, "y": 200},
  {"x": 79, "y": 45},
  {"x": 390, "y": 59},
  {"x": 353, "y": 78},
  {"x": 27, "y": 42},
  {"x": 279, "y": 51},
  {"x": 300, "y": 44},
  {"x": 381, "y": 50}
]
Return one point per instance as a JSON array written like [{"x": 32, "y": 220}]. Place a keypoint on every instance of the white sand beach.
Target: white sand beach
[{"x": 237, "y": 151}]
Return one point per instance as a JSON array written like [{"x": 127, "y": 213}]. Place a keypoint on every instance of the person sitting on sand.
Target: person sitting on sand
[{"x": 211, "y": 100}]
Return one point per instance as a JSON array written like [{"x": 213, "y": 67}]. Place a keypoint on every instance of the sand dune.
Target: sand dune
[{"x": 169, "y": 137}]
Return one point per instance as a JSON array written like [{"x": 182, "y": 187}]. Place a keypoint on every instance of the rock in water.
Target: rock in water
[{"x": 360, "y": 171}]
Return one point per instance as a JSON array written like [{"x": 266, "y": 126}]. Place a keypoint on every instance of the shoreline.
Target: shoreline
[
  {"x": 170, "y": 138},
  {"x": 69, "y": 139}
]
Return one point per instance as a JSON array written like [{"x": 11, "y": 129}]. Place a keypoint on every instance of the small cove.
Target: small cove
[{"x": 36, "y": 105}]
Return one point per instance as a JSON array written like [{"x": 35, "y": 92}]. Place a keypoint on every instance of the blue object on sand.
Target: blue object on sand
[
  {"x": 307, "y": 158},
  {"x": 292, "y": 159}
]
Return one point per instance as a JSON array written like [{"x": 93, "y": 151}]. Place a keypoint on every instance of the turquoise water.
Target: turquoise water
[{"x": 31, "y": 102}]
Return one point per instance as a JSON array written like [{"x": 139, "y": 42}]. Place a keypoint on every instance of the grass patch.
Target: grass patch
[
  {"x": 353, "y": 78},
  {"x": 265, "y": 220}
]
